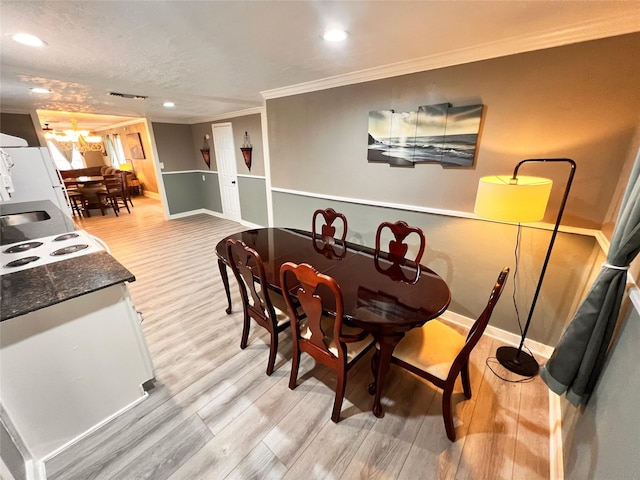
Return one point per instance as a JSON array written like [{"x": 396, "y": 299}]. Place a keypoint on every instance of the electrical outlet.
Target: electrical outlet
[
  {"x": 203, "y": 178},
  {"x": 161, "y": 165}
]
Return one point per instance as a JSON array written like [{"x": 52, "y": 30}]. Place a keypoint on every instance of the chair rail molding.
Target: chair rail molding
[{"x": 597, "y": 234}]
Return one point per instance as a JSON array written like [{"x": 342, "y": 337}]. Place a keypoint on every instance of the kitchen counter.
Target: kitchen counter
[
  {"x": 72, "y": 351},
  {"x": 40, "y": 287}
]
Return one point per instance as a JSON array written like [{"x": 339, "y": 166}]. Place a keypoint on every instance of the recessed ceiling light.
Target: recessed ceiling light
[
  {"x": 40, "y": 90},
  {"x": 335, "y": 35},
  {"x": 168, "y": 104},
  {"x": 27, "y": 39}
]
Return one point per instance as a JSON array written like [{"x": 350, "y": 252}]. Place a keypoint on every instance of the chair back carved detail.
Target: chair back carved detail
[
  {"x": 328, "y": 229},
  {"x": 397, "y": 247}
]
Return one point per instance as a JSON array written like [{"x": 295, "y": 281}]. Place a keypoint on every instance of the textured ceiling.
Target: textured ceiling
[{"x": 216, "y": 57}]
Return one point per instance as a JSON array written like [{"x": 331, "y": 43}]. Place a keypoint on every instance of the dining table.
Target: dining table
[
  {"x": 382, "y": 295},
  {"x": 85, "y": 179},
  {"x": 89, "y": 186}
]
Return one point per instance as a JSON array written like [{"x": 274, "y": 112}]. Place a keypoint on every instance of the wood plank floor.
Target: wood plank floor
[{"x": 214, "y": 414}]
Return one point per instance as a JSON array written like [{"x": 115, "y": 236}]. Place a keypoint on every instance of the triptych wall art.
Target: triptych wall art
[{"x": 434, "y": 134}]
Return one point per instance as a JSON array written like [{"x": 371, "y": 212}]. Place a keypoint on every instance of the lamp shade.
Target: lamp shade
[{"x": 519, "y": 200}]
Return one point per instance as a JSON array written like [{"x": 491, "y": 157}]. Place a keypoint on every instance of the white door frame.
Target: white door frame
[{"x": 225, "y": 152}]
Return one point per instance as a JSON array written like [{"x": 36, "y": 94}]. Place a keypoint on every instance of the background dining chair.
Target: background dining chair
[
  {"x": 257, "y": 301},
  {"x": 328, "y": 230},
  {"x": 328, "y": 340},
  {"x": 114, "y": 193},
  {"x": 127, "y": 182},
  {"x": 77, "y": 200},
  {"x": 438, "y": 353},
  {"x": 397, "y": 248}
]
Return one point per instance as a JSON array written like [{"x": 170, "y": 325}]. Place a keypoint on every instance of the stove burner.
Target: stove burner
[
  {"x": 69, "y": 249},
  {"x": 65, "y": 236},
  {"x": 23, "y": 247},
  {"x": 22, "y": 261}
]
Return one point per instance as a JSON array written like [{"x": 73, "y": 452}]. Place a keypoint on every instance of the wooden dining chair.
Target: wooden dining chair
[
  {"x": 128, "y": 180},
  {"x": 397, "y": 247},
  {"x": 266, "y": 308},
  {"x": 438, "y": 353},
  {"x": 77, "y": 201},
  {"x": 325, "y": 338},
  {"x": 114, "y": 192},
  {"x": 328, "y": 230}
]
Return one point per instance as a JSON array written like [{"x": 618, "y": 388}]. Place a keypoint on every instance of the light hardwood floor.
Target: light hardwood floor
[{"x": 214, "y": 414}]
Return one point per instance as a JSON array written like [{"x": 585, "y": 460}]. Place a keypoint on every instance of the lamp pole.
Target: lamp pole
[{"x": 515, "y": 360}]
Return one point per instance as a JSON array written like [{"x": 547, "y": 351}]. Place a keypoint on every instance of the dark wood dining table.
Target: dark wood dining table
[
  {"x": 87, "y": 180},
  {"x": 385, "y": 298},
  {"x": 88, "y": 186}
]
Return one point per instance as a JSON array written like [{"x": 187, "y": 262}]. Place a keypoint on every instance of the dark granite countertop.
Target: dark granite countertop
[{"x": 39, "y": 287}]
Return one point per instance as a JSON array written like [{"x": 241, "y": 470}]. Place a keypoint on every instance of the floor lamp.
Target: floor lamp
[{"x": 521, "y": 199}]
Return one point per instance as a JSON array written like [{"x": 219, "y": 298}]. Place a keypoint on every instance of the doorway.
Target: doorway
[{"x": 224, "y": 150}]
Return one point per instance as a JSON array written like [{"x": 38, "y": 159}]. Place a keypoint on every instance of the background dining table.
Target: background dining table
[
  {"x": 385, "y": 298},
  {"x": 89, "y": 186}
]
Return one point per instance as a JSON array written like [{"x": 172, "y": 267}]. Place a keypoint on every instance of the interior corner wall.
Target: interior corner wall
[
  {"x": 252, "y": 124},
  {"x": 251, "y": 182},
  {"x": 144, "y": 167}
]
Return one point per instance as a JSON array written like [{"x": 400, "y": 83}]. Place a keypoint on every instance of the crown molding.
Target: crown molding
[
  {"x": 126, "y": 123},
  {"x": 618, "y": 24},
  {"x": 225, "y": 116}
]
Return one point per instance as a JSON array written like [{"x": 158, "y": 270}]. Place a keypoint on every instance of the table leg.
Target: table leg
[
  {"x": 225, "y": 281},
  {"x": 387, "y": 344}
]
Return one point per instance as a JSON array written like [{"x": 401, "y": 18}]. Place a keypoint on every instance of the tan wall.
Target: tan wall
[
  {"x": 143, "y": 168},
  {"x": 579, "y": 101},
  {"x": 248, "y": 123}
]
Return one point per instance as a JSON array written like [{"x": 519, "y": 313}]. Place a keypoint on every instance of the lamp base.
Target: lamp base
[{"x": 517, "y": 361}]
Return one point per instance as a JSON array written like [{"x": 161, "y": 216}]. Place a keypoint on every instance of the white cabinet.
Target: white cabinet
[{"x": 68, "y": 368}]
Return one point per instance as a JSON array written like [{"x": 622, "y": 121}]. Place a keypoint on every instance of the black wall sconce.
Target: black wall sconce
[
  {"x": 206, "y": 151},
  {"x": 246, "y": 150}
]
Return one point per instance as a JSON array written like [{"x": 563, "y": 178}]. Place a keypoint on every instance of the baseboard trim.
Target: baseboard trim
[
  {"x": 213, "y": 214},
  {"x": 556, "y": 454},
  {"x": 154, "y": 195},
  {"x": 556, "y": 451},
  {"x": 509, "y": 338},
  {"x": 41, "y": 462},
  {"x": 188, "y": 213}
]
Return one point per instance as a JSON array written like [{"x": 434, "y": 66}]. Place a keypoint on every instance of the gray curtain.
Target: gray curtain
[{"x": 578, "y": 358}]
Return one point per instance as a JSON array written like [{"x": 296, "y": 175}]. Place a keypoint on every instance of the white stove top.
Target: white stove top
[{"x": 45, "y": 250}]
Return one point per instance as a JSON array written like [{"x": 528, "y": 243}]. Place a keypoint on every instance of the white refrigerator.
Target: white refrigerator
[{"x": 35, "y": 177}]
